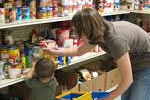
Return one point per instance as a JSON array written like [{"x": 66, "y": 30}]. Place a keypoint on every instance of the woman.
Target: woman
[{"x": 127, "y": 43}]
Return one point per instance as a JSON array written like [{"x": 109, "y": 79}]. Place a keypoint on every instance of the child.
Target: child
[{"x": 44, "y": 84}]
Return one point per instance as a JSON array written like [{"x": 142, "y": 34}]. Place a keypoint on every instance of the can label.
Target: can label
[
  {"x": 10, "y": 15},
  {"x": 42, "y": 3},
  {"x": 49, "y": 12},
  {"x": 13, "y": 54},
  {"x": 49, "y": 3},
  {"x": 61, "y": 60},
  {"x": 2, "y": 16},
  {"x": 55, "y": 12},
  {"x": 42, "y": 13},
  {"x": 69, "y": 60},
  {"x": 33, "y": 9},
  {"x": 25, "y": 13},
  {"x": 19, "y": 14}
]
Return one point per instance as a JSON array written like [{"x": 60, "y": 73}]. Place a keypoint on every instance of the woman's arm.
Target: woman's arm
[
  {"x": 73, "y": 51},
  {"x": 124, "y": 65}
]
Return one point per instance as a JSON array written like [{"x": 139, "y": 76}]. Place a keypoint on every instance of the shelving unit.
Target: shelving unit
[
  {"x": 7, "y": 82},
  {"x": 141, "y": 12},
  {"x": 84, "y": 59},
  {"x": 50, "y": 20},
  {"x": 89, "y": 57}
]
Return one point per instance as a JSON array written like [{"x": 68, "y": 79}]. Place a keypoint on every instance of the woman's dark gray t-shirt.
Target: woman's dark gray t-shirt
[{"x": 125, "y": 37}]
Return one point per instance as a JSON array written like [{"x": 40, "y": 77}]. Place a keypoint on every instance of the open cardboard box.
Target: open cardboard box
[{"x": 112, "y": 79}]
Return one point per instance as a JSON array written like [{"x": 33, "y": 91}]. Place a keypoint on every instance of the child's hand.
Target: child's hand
[{"x": 28, "y": 75}]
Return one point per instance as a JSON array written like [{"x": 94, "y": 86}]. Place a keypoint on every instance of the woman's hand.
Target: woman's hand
[{"x": 47, "y": 48}]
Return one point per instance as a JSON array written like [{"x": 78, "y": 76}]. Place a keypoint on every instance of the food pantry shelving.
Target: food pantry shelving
[
  {"x": 50, "y": 20},
  {"x": 84, "y": 58},
  {"x": 81, "y": 60}
]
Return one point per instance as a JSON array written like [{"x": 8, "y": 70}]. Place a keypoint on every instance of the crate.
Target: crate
[{"x": 82, "y": 95}]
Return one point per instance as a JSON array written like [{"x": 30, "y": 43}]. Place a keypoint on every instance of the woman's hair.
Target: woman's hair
[
  {"x": 89, "y": 22},
  {"x": 45, "y": 68}
]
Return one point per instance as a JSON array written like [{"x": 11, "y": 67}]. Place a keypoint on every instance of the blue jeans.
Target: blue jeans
[{"x": 140, "y": 88}]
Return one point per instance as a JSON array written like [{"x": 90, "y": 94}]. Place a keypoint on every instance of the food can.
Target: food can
[
  {"x": 10, "y": 15},
  {"x": 68, "y": 60},
  {"x": 4, "y": 54},
  {"x": 55, "y": 11},
  {"x": 19, "y": 13},
  {"x": 49, "y": 12},
  {"x": 42, "y": 13},
  {"x": 25, "y": 13},
  {"x": 33, "y": 9},
  {"x": 61, "y": 60},
  {"x": 8, "y": 5},
  {"x": 49, "y": 3},
  {"x": 18, "y": 3},
  {"x": 64, "y": 60},
  {"x": 13, "y": 54},
  {"x": 2, "y": 15},
  {"x": 23, "y": 61},
  {"x": 42, "y": 3}
]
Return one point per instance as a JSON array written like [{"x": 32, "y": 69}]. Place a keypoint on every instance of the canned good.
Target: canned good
[
  {"x": 61, "y": 60},
  {"x": 42, "y": 13},
  {"x": 4, "y": 54},
  {"x": 8, "y": 5},
  {"x": 33, "y": 9},
  {"x": 64, "y": 60},
  {"x": 2, "y": 15},
  {"x": 25, "y": 13},
  {"x": 49, "y": 3},
  {"x": 55, "y": 3},
  {"x": 18, "y": 3},
  {"x": 10, "y": 15},
  {"x": 42, "y": 3},
  {"x": 14, "y": 54},
  {"x": 49, "y": 12},
  {"x": 69, "y": 60},
  {"x": 19, "y": 14},
  {"x": 55, "y": 11},
  {"x": 23, "y": 61}
]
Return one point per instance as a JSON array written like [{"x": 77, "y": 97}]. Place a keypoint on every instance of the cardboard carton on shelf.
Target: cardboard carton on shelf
[{"x": 112, "y": 78}]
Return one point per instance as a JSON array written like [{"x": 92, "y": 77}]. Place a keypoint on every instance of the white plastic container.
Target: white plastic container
[
  {"x": 1, "y": 67},
  {"x": 14, "y": 72},
  {"x": 1, "y": 70}
]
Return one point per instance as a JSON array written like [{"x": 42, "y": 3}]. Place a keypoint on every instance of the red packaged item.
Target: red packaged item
[{"x": 61, "y": 35}]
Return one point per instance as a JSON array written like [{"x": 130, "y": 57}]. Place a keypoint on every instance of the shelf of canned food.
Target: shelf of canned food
[
  {"x": 141, "y": 11},
  {"x": 84, "y": 58},
  {"x": 50, "y": 20}
]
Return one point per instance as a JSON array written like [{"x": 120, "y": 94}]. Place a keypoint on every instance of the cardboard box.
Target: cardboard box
[
  {"x": 112, "y": 79},
  {"x": 76, "y": 88},
  {"x": 96, "y": 84}
]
